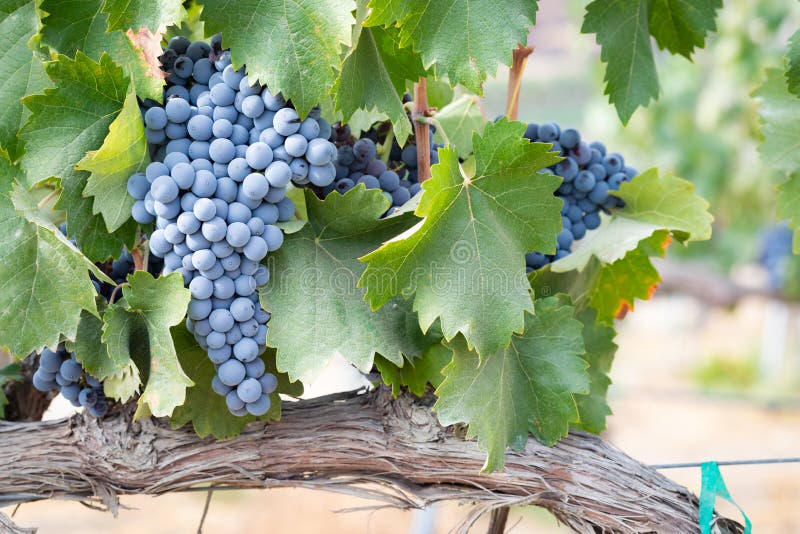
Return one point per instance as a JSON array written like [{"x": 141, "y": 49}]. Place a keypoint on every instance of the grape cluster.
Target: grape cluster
[
  {"x": 776, "y": 252},
  {"x": 589, "y": 172},
  {"x": 61, "y": 370},
  {"x": 230, "y": 148},
  {"x": 358, "y": 163}
]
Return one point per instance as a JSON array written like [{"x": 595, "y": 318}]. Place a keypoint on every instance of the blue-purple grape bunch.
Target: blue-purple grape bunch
[
  {"x": 226, "y": 149},
  {"x": 589, "y": 172},
  {"x": 61, "y": 370},
  {"x": 358, "y": 163}
]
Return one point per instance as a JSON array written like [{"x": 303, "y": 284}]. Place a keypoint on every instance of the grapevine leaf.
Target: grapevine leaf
[
  {"x": 65, "y": 123},
  {"x": 780, "y": 119},
  {"x": 205, "y": 409},
  {"x": 314, "y": 276},
  {"x": 96, "y": 356},
  {"x": 531, "y": 386},
  {"x": 135, "y": 14},
  {"x": 652, "y": 203},
  {"x": 680, "y": 26},
  {"x": 598, "y": 339},
  {"x": 70, "y": 26},
  {"x": 789, "y": 207},
  {"x": 8, "y": 373},
  {"x": 457, "y": 121},
  {"x": 460, "y": 39},
  {"x": 124, "y": 152},
  {"x": 623, "y": 32},
  {"x": 611, "y": 287},
  {"x": 365, "y": 81},
  {"x": 793, "y": 64},
  {"x": 293, "y": 47},
  {"x": 21, "y": 70},
  {"x": 44, "y": 282},
  {"x": 473, "y": 239},
  {"x": 416, "y": 374},
  {"x": 152, "y": 305}
]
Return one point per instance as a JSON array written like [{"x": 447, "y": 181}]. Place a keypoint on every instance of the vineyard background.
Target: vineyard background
[{"x": 689, "y": 381}]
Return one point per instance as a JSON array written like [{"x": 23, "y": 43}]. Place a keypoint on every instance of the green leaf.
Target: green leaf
[
  {"x": 70, "y": 26},
  {"x": 8, "y": 373},
  {"x": 789, "y": 207},
  {"x": 314, "y": 276},
  {"x": 65, "y": 123},
  {"x": 473, "y": 239},
  {"x": 780, "y": 119},
  {"x": 136, "y": 14},
  {"x": 124, "y": 152},
  {"x": 600, "y": 350},
  {"x": 100, "y": 359},
  {"x": 204, "y": 408},
  {"x": 21, "y": 70},
  {"x": 793, "y": 64},
  {"x": 680, "y": 26},
  {"x": 366, "y": 83},
  {"x": 609, "y": 288},
  {"x": 528, "y": 387},
  {"x": 293, "y": 47},
  {"x": 152, "y": 304},
  {"x": 463, "y": 40},
  {"x": 44, "y": 282},
  {"x": 623, "y": 32},
  {"x": 416, "y": 374},
  {"x": 652, "y": 203},
  {"x": 457, "y": 120}
]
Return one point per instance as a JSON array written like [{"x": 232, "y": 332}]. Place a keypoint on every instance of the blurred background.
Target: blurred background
[{"x": 709, "y": 369}]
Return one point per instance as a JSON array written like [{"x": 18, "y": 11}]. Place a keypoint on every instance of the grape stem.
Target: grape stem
[
  {"x": 433, "y": 121},
  {"x": 114, "y": 292},
  {"x": 50, "y": 196},
  {"x": 421, "y": 129},
  {"x": 386, "y": 148},
  {"x": 521, "y": 54}
]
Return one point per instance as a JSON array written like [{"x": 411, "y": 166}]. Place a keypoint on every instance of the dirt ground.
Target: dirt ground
[{"x": 660, "y": 416}]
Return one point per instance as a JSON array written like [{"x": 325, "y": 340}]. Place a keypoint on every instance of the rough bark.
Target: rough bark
[{"x": 369, "y": 445}]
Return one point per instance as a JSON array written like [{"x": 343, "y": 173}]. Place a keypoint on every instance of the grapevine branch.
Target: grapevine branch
[
  {"x": 422, "y": 129},
  {"x": 520, "y": 60},
  {"x": 369, "y": 445}
]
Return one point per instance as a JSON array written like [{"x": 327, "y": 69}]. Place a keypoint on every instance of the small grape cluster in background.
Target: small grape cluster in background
[
  {"x": 776, "y": 253},
  {"x": 358, "y": 163},
  {"x": 589, "y": 173},
  {"x": 228, "y": 148},
  {"x": 61, "y": 370}
]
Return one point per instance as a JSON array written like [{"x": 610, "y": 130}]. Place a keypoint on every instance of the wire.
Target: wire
[{"x": 729, "y": 462}]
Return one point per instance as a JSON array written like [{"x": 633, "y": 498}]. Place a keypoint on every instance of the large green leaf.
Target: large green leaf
[
  {"x": 205, "y": 409},
  {"x": 65, "y": 123},
  {"x": 463, "y": 40},
  {"x": 680, "y": 26},
  {"x": 293, "y": 47},
  {"x": 529, "y": 387},
  {"x": 622, "y": 29},
  {"x": 598, "y": 340},
  {"x": 44, "y": 281},
  {"x": 124, "y": 152},
  {"x": 154, "y": 305},
  {"x": 366, "y": 81},
  {"x": 416, "y": 374},
  {"x": 793, "y": 64},
  {"x": 465, "y": 261},
  {"x": 652, "y": 203},
  {"x": 21, "y": 70},
  {"x": 457, "y": 120},
  {"x": 314, "y": 276},
  {"x": 73, "y": 25},
  {"x": 609, "y": 288},
  {"x": 780, "y": 118},
  {"x": 136, "y": 14}
]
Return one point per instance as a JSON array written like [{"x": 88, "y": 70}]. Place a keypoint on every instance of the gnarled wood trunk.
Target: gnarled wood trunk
[{"x": 370, "y": 445}]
